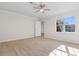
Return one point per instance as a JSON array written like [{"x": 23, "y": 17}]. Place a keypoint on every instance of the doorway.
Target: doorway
[{"x": 37, "y": 29}]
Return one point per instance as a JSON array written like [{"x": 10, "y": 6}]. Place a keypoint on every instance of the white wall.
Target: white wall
[
  {"x": 50, "y": 28},
  {"x": 15, "y": 26}
]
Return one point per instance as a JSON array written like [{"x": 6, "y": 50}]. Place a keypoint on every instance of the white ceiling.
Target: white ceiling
[{"x": 26, "y": 8}]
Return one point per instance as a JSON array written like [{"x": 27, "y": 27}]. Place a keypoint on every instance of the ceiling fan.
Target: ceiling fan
[{"x": 41, "y": 7}]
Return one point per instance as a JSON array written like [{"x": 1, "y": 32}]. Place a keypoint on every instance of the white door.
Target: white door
[{"x": 37, "y": 28}]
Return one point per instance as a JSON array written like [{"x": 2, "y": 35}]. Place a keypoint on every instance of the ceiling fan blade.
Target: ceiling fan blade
[
  {"x": 47, "y": 9},
  {"x": 43, "y": 5},
  {"x": 37, "y": 10},
  {"x": 32, "y": 3},
  {"x": 36, "y": 7}
]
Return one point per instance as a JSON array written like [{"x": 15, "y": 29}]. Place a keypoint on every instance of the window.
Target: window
[
  {"x": 69, "y": 28},
  {"x": 66, "y": 24},
  {"x": 59, "y": 26}
]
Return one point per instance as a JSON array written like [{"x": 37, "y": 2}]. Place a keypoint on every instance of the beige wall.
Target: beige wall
[
  {"x": 15, "y": 26},
  {"x": 50, "y": 28}
]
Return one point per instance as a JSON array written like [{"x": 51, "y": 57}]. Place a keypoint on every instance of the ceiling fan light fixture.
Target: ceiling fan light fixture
[
  {"x": 42, "y": 7},
  {"x": 41, "y": 10}
]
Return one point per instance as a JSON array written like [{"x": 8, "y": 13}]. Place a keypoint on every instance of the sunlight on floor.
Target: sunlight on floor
[{"x": 63, "y": 50}]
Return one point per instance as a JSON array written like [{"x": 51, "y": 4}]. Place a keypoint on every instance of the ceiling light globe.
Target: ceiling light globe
[{"x": 41, "y": 10}]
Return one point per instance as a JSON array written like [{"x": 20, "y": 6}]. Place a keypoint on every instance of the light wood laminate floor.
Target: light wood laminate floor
[{"x": 38, "y": 47}]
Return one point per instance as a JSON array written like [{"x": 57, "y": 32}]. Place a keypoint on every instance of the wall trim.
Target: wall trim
[
  {"x": 61, "y": 39},
  {"x": 9, "y": 40}
]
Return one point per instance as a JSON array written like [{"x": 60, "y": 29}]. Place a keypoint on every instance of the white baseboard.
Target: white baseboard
[
  {"x": 48, "y": 36},
  {"x": 7, "y": 40},
  {"x": 62, "y": 38}
]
